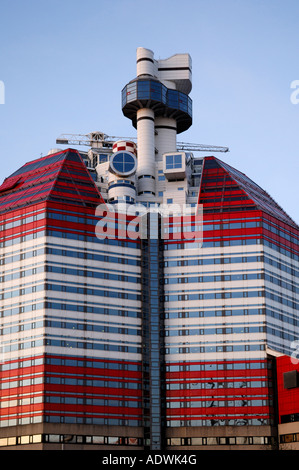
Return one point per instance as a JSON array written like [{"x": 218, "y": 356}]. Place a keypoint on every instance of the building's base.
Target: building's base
[
  {"x": 289, "y": 436},
  {"x": 222, "y": 438},
  {"x": 52, "y": 436}
]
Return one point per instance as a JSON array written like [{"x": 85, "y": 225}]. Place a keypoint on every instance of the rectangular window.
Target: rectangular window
[{"x": 173, "y": 161}]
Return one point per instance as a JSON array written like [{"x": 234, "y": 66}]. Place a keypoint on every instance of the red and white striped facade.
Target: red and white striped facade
[
  {"x": 124, "y": 341},
  {"x": 124, "y": 145}
]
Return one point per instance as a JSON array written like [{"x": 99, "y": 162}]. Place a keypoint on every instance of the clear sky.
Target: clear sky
[{"x": 64, "y": 62}]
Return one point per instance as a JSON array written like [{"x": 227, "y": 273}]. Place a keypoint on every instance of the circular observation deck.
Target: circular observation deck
[{"x": 150, "y": 93}]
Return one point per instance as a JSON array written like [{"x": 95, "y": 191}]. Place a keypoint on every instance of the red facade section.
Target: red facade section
[
  {"x": 56, "y": 194},
  {"x": 61, "y": 177},
  {"x": 230, "y": 391},
  {"x": 225, "y": 189},
  {"x": 287, "y": 389},
  {"x": 108, "y": 389},
  {"x": 228, "y": 197}
]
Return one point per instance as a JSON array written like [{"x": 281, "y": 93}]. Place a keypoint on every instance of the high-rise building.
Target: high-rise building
[{"x": 149, "y": 297}]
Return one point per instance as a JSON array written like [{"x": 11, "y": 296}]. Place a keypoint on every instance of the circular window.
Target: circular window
[{"x": 123, "y": 163}]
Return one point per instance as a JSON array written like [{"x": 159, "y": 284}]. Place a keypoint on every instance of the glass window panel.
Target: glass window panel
[
  {"x": 173, "y": 100},
  {"x": 177, "y": 161},
  {"x": 113, "y": 440},
  {"x": 133, "y": 441},
  {"x": 196, "y": 441},
  {"x": 211, "y": 441},
  {"x": 143, "y": 90},
  {"x": 98, "y": 440},
  {"x": 131, "y": 92},
  {"x": 242, "y": 440},
  {"x": 175, "y": 441},
  {"x": 123, "y": 162},
  {"x": 156, "y": 91},
  {"x": 173, "y": 161}
]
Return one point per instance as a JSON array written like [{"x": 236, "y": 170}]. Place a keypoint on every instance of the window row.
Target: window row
[
  {"x": 68, "y": 307},
  {"x": 73, "y": 362},
  {"x": 22, "y": 383},
  {"x": 231, "y": 225},
  {"x": 36, "y": 343},
  {"x": 214, "y": 349},
  {"x": 282, "y": 334},
  {"x": 95, "y": 257},
  {"x": 211, "y": 244},
  {"x": 213, "y": 313},
  {"x": 20, "y": 364},
  {"x": 7, "y": 330},
  {"x": 16, "y": 222},
  {"x": 288, "y": 438},
  {"x": 51, "y": 418},
  {"x": 290, "y": 236},
  {"x": 291, "y": 418},
  {"x": 92, "y": 327},
  {"x": 217, "y": 295},
  {"x": 261, "y": 420},
  {"x": 77, "y": 219},
  {"x": 69, "y": 420},
  {"x": 282, "y": 315},
  {"x": 21, "y": 402},
  {"x": 92, "y": 346},
  {"x": 93, "y": 309},
  {"x": 18, "y": 274},
  {"x": 23, "y": 238},
  {"x": 49, "y": 379},
  {"x": 93, "y": 238},
  {"x": 281, "y": 283},
  {"x": 209, "y": 384},
  {"x": 22, "y": 291},
  {"x": 93, "y": 401},
  {"x": 20, "y": 255},
  {"x": 214, "y": 331},
  {"x": 213, "y": 366},
  {"x": 201, "y": 261},
  {"x": 156, "y": 91},
  {"x": 219, "y": 441},
  {"x": 217, "y": 278},
  {"x": 282, "y": 299},
  {"x": 283, "y": 266},
  {"x": 217, "y": 402},
  {"x": 94, "y": 274},
  {"x": 69, "y": 439},
  {"x": 280, "y": 249},
  {"x": 22, "y": 273},
  {"x": 85, "y": 291}
]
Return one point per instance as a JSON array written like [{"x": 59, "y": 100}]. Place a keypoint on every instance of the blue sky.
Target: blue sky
[{"x": 64, "y": 63}]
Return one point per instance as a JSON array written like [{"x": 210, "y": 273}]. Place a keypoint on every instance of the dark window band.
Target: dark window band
[
  {"x": 166, "y": 127},
  {"x": 175, "y": 68},
  {"x": 144, "y": 58},
  {"x": 145, "y": 117}
]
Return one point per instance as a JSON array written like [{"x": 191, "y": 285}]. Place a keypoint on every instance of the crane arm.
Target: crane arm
[{"x": 101, "y": 140}]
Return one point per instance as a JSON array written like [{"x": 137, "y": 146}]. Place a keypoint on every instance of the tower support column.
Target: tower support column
[
  {"x": 165, "y": 136},
  {"x": 146, "y": 150}
]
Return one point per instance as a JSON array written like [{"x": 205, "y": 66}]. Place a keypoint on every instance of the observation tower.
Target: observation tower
[{"x": 159, "y": 107}]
